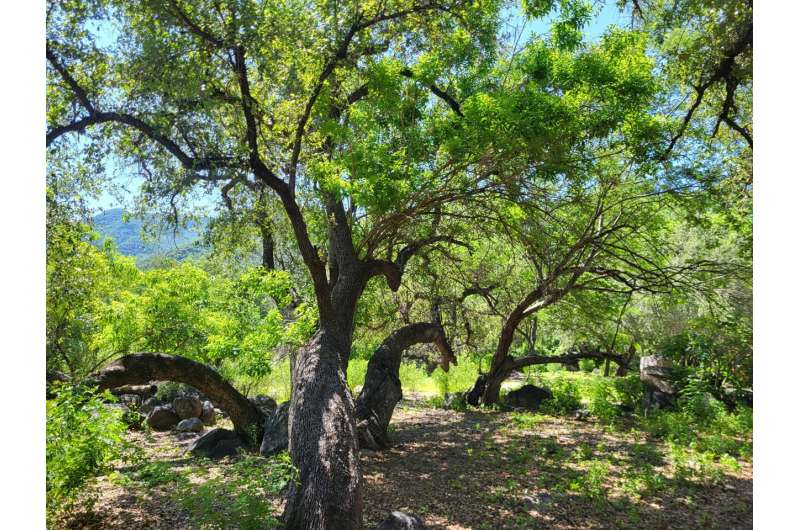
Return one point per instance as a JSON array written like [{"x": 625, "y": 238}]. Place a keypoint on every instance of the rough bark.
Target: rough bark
[
  {"x": 141, "y": 368},
  {"x": 323, "y": 442},
  {"x": 143, "y": 391},
  {"x": 382, "y": 389}
]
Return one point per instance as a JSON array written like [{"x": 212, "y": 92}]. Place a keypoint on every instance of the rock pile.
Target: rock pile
[{"x": 185, "y": 413}]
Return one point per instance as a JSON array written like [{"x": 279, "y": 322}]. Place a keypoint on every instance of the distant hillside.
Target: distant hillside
[{"x": 128, "y": 237}]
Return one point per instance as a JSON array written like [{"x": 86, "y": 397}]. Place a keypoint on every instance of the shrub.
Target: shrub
[
  {"x": 414, "y": 378},
  {"x": 602, "y": 401},
  {"x": 592, "y": 482},
  {"x": 527, "y": 420},
  {"x": 630, "y": 390},
  {"x": 695, "y": 399},
  {"x": 153, "y": 474},
  {"x": 586, "y": 365},
  {"x": 84, "y": 435},
  {"x": 566, "y": 396},
  {"x": 169, "y": 390}
]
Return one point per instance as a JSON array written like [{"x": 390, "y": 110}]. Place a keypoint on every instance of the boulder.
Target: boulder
[
  {"x": 148, "y": 405},
  {"x": 208, "y": 416},
  {"x": 190, "y": 425},
  {"x": 276, "y": 431},
  {"x": 528, "y": 397},
  {"x": 162, "y": 418},
  {"x": 401, "y": 521},
  {"x": 655, "y": 372},
  {"x": 216, "y": 443},
  {"x": 265, "y": 404},
  {"x": 187, "y": 407}
]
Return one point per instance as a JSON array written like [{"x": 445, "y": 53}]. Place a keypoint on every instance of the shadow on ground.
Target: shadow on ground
[{"x": 471, "y": 471}]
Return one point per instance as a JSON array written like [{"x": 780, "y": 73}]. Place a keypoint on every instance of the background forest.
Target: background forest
[{"x": 339, "y": 205}]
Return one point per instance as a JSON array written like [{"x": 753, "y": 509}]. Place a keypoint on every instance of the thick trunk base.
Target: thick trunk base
[{"x": 323, "y": 442}]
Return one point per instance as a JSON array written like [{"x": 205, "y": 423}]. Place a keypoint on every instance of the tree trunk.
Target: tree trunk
[
  {"x": 494, "y": 382},
  {"x": 323, "y": 442},
  {"x": 141, "y": 368},
  {"x": 382, "y": 388}
]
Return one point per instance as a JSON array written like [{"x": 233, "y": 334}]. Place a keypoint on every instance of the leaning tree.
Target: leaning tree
[{"x": 612, "y": 235}]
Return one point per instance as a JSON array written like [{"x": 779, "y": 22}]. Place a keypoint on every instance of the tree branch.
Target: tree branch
[{"x": 444, "y": 96}]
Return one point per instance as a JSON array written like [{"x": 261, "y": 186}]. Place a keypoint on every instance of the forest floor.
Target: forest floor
[{"x": 456, "y": 470}]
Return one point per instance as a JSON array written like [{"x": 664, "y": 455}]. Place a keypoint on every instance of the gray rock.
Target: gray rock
[
  {"x": 162, "y": 418},
  {"x": 276, "y": 431},
  {"x": 265, "y": 404},
  {"x": 528, "y": 397},
  {"x": 401, "y": 521},
  {"x": 208, "y": 416},
  {"x": 148, "y": 405},
  {"x": 655, "y": 371},
  {"x": 132, "y": 401},
  {"x": 187, "y": 407},
  {"x": 216, "y": 443},
  {"x": 190, "y": 425}
]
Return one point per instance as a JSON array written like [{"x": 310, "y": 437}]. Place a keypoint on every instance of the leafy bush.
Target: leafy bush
[
  {"x": 527, "y": 420},
  {"x": 630, "y": 390},
  {"x": 602, "y": 401},
  {"x": 610, "y": 397},
  {"x": 84, "y": 435},
  {"x": 153, "y": 474},
  {"x": 566, "y": 396},
  {"x": 586, "y": 365},
  {"x": 695, "y": 399},
  {"x": 169, "y": 390},
  {"x": 592, "y": 482}
]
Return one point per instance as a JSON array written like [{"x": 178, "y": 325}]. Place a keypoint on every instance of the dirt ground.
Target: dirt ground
[{"x": 477, "y": 471}]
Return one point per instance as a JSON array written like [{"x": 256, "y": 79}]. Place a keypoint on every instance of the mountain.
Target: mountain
[{"x": 128, "y": 236}]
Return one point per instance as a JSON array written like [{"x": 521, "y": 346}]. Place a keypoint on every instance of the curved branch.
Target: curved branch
[
  {"x": 96, "y": 117},
  {"x": 567, "y": 358},
  {"x": 382, "y": 388},
  {"x": 141, "y": 368}
]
